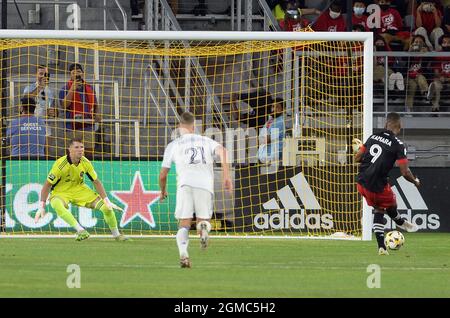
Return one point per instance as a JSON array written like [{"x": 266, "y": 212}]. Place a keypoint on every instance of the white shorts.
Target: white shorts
[{"x": 190, "y": 200}]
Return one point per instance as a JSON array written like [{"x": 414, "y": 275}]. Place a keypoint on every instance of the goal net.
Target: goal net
[{"x": 310, "y": 93}]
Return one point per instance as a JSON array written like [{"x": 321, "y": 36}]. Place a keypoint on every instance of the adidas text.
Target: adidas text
[
  {"x": 298, "y": 221},
  {"x": 422, "y": 220}
]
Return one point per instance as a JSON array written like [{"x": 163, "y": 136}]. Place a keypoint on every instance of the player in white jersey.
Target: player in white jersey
[{"x": 193, "y": 156}]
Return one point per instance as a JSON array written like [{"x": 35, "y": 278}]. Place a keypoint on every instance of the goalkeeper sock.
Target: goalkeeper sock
[
  {"x": 394, "y": 215},
  {"x": 378, "y": 229},
  {"x": 183, "y": 241},
  {"x": 110, "y": 217},
  {"x": 65, "y": 214}
]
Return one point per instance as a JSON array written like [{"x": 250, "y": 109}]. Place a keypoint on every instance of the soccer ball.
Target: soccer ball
[{"x": 394, "y": 240}]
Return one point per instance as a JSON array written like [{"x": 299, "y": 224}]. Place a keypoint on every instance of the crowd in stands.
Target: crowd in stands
[{"x": 398, "y": 25}]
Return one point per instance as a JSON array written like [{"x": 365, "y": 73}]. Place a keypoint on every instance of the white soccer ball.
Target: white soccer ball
[{"x": 394, "y": 240}]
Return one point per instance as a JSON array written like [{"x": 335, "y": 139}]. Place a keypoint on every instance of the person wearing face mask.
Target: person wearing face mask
[
  {"x": 441, "y": 70},
  {"x": 395, "y": 79},
  {"x": 428, "y": 19},
  {"x": 391, "y": 25},
  {"x": 358, "y": 16},
  {"x": 331, "y": 20},
  {"x": 417, "y": 65}
]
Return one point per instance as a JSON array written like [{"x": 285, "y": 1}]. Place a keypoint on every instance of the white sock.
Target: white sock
[
  {"x": 183, "y": 241},
  {"x": 115, "y": 232},
  {"x": 78, "y": 227}
]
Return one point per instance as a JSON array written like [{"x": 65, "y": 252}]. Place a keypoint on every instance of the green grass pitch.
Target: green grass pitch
[{"x": 229, "y": 268}]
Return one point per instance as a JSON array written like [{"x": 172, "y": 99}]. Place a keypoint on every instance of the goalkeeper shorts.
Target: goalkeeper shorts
[
  {"x": 80, "y": 195},
  {"x": 192, "y": 200}
]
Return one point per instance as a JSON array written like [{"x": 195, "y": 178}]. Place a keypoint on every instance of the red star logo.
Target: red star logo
[{"x": 137, "y": 202}]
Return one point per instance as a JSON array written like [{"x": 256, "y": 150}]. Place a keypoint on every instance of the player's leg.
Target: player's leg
[
  {"x": 378, "y": 218},
  {"x": 378, "y": 229},
  {"x": 61, "y": 207},
  {"x": 92, "y": 200},
  {"x": 184, "y": 212},
  {"x": 400, "y": 222},
  {"x": 183, "y": 242},
  {"x": 388, "y": 202},
  {"x": 203, "y": 207}
]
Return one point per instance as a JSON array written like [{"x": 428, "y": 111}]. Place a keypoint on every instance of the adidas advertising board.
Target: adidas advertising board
[
  {"x": 427, "y": 206},
  {"x": 285, "y": 200}
]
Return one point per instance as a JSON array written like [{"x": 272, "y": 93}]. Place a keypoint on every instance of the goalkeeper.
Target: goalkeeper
[{"x": 66, "y": 183}]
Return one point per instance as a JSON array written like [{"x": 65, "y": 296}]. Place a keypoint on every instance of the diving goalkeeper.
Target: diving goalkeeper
[{"x": 66, "y": 183}]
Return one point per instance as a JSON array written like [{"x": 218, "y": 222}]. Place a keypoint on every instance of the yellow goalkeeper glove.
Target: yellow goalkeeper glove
[
  {"x": 40, "y": 212},
  {"x": 356, "y": 144}
]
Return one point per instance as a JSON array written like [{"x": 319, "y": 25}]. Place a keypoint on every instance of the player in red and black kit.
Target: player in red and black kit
[{"x": 377, "y": 157}]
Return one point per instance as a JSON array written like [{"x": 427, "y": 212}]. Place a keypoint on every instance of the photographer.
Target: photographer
[
  {"x": 428, "y": 22},
  {"x": 78, "y": 99},
  {"x": 44, "y": 97}
]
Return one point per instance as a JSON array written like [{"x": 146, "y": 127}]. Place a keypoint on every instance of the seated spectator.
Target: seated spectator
[
  {"x": 416, "y": 78},
  {"x": 331, "y": 20},
  {"x": 261, "y": 103},
  {"x": 395, "y": 79},
  {"x": 78, "y": 99},
  {"x": 26, "y": 134},
  {"x": 290, "y": 16},
  {"x": 428, "y": 22},
  {"x": 441, "y": 70},
  {"x": 359, "y": 17},
  {"x": 391, "y": 25},
  {"x": 271, "y": 146}
]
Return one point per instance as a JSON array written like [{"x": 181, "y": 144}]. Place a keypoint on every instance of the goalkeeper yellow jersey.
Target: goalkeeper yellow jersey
[{"x": 65, "y": 175}]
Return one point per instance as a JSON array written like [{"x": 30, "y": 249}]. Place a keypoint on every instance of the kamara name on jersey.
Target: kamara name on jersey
[{"x": 382, "y": 139}]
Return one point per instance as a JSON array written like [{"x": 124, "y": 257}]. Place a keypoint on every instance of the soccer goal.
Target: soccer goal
[{"x": 300, "y": 182}]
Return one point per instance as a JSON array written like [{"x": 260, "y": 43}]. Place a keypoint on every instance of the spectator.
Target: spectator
[
  {"x": 261, "y": 104},
  {"x": 358, "y": 16},
  {"x": 395, "y": 79},
  {"x": 416, "y": 78},
  {"x": 290, "y": 16},
  {"x": 428, "y": 22},
  {"x": 441, "y": 69},
  {"x": 391, "y": 25},
  {"x": 331, "y": 20},
  {"x": 27, "y": 133},
  {"x": 273, "y": 133},
  {"x": 78, "y": 99},
  {"x": 44, "y": 95}
]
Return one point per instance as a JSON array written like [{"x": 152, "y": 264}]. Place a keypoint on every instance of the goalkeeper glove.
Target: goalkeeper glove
[
  {"x": 40, "y": 212},
  {"x": 111, "y": 205},
  {"x": 356, "y": 144}
]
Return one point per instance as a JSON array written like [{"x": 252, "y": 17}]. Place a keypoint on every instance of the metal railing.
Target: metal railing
[{"x": 401, "y": 62}]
